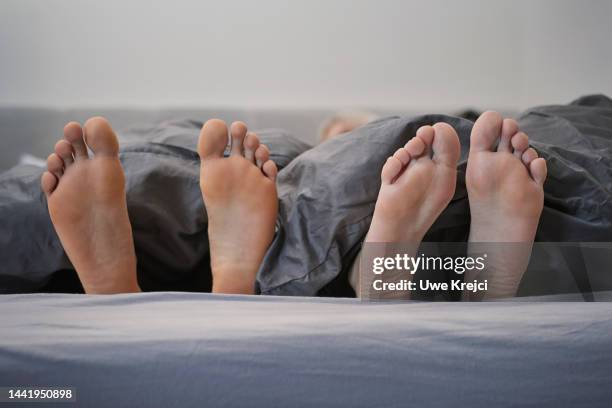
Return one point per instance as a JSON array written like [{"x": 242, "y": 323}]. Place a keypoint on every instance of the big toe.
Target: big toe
[
  {"x": 486, "y": 131},
  {"x": 445, "y": 145},
  {"x": 100, "y": 137},
  {"x": 213, "y": 139}
]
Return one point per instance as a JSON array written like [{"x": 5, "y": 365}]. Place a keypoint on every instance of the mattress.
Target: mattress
[{"x": 192, "y": 350}]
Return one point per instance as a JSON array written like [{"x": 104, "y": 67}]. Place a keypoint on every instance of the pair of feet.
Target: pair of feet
[
  {"x": 86, "y": 198},
  {"x": 87, "y": 203},
  {"x": 504, "y": 181}
]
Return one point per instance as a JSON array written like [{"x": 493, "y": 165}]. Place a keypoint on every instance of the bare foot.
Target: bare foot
[
  {"x": 418, "y": 182},
  {"x": 86, "y": 200},
  {"x": 240, "y": 197},
  {"x": 504, "y": 181}
]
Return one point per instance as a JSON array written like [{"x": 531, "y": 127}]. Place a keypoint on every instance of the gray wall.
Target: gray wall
[{"x": 407, "y": 54}]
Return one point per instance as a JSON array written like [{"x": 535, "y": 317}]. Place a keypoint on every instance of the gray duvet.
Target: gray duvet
[
  {"x": 326, "y": 194},
  {"x": 203, "y": 350}
]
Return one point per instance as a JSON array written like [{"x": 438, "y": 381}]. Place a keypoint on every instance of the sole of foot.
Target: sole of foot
[
  {"x": 87, "y": 204},
  {"x": 504, "y": 180},
  {"x": 240, "y": 197},
  {"x": 417, "y": 183}
]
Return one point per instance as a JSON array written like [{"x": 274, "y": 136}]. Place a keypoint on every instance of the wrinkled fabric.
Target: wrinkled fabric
[
  {"x": 326, "y": 201},
  {"x": 328, "y": 194},
  {"x": 165, "y": 206}
]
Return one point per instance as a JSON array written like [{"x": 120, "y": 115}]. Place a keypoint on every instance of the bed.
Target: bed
[
  {"x": 194, "y": 350},
  {"x": 324, "y": 209}
]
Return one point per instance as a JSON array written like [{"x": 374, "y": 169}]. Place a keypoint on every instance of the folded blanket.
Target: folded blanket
[{"x": 326, "y": 195}]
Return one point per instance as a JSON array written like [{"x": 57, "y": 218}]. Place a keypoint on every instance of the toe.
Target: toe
[
  {"x": 55, "y": 165},
  {"x": 238, "y": 131},
  {"x": 73, "y": 133},
  {"x": 213, "y": 139},
  {"x": 390, "y": 170},
  {"x": 538, "y": 170},
  {"x": 270, "y": 170},
  {"x": 262, "y": 155},
  {"x": 48, "y": 182},
  {"x": 445, "y": 145},
  {"x": 529, "y": 155},
  {"x": 402, "y": 155},
  {"x": 251, "y": 143},
  {"x": 426, "y": 134},
  {"x": 100, "y": 137},
  {"x": 509, "y": 129},
  {"x": 520, "y": 143},
  {"x": 486, "y": 132},
  {"x": 415, "y": 146},
  {"x": 64, "y": 150}
]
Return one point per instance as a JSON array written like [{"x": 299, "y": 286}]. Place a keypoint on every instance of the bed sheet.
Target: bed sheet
[{"x": 181, "y": 349}]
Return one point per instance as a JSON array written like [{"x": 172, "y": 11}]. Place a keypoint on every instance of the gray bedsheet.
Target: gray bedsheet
[
  {"x": 326, "y": 195},
  {"x": 202, "y": 350}
]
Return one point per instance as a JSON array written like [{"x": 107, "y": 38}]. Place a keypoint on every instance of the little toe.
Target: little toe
[
  {"x": 270, "y": 170},
  {"x": 402, "y": 155},
  {"x": 64, "y": 150},
  {"x": 520, "y": 143},
  {"x": 55, "y": 165},
  {"x": 426, "y": 134},
  {"x": 486, "y": 132},
  {"x": 529, "y": 155},
  {"x": 48, "y": 182},
  {"x": 262, "y": 155},
  {"x": 538, "y": 170},
  {"x": 509, "y": 129},
  {"x": 415, "y": 147},
  {"x": 251, "y": 143},
  {"x": 445, "y": 145},
  {"x": 391, "y": 170},
  {"x": 213, "y": 139},
  {"x": 73, "y": 133},
  {"x": 238, "y": 131}
]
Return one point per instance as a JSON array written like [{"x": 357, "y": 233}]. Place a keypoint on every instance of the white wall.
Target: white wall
[{"x": 407, "y": 54}]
